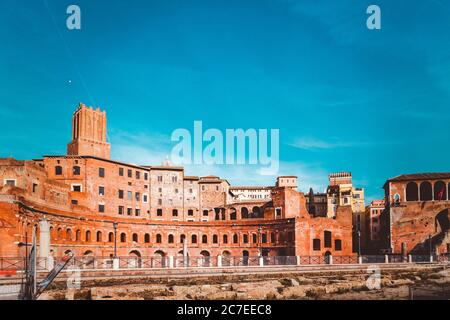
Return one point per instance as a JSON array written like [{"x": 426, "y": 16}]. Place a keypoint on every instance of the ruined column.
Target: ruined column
[{"x": 219, "y": 261}]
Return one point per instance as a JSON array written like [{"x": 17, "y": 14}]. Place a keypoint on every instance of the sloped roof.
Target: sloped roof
[{"x": 422, "y": 176}]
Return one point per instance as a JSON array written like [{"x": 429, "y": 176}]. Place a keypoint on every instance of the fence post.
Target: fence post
[
  {"x": 261, "y": 261},
  {"x": 299, "y": 260},
  {"x": 386, "y": 258},
  {"x": 360, "y": 260},
  {"x": 116, "y": 263},
  {"x": 410, "y": 258},
  {"x": 431, "y": 258},
  {"x": 170, "y": 261},
  {"x": 219, "y": 261},
  {"x": 330, "y": 259}
]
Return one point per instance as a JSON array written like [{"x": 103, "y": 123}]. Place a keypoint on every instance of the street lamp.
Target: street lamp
[{"x": 115, "y": 239}]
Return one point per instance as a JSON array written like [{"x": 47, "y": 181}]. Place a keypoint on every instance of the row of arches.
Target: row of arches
[
  {"x": 426, "y": 191},
  {"x": 235, "y": 238}
]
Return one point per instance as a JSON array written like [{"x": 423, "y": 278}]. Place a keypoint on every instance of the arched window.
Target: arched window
[
  {"x": 88, "y": 235},
  {"x": 68, "y": 235},
  {"x": 426, "y": 193},
  {"x": 194, "y": 238},
  {"x": 440, "y": 191},
  {"x": 204, "y": 238},
  {"x": 58, "y": 170},
  {"x": 182, "y": 238},
  {"x": 78, "y": 235},
  {"x": 215, "y": 238},
  {"x": 99, "y": 236},
  {"x": 170, "y": 238},
  {"x": 233, "y": 214},
  {"x": 245, "y": 238},
  {"x": 123, "y": 237},
  {"x": 264, "y": 238},
  {"x": 59, "y": 233},
  {"x": 135, "y": 237},
  {"x": 158, "y": 238},
  {"x": 110, "y": 237},
  {"x": 256, "y": 212},
  {"x": 76, "y": 170},
  {"x": 412, "y": 192},
  {"x": 244, "y": 213},
  {"x": 147, "y": 238},
  {"x": 235, "y": 238},
  {"x": 225, "y": 238}
]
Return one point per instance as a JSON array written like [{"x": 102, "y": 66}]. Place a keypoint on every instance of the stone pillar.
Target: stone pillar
[
  {"x": 299, "y": 260},
  {"x": 170, "y": 261},
  {"x": 219, "y": 261},
  {"x": 116, "y": 264},
  {"x": 386, "y": 258},
  {"x": 330, "y": 259},
  {"x": 261, "y": 261},
  {"x": 410, "y": 258},
  {"x": 360, "y": 260},
  {"x": 44, "y": 239},
  {"x": 185, "y": 253},
  {"x": 431, "y": 258}
]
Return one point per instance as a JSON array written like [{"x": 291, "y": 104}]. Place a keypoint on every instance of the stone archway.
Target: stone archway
[
  {"x": 159, "y": 260},
  {"x": 134, "y": 260},
  {"x": 226, "y": 258},
  {"x": 88, "y": 259},
  {"x": 206, "y": 258}
]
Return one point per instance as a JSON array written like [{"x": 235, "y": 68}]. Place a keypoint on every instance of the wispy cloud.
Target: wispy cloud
[{"x": 307, "y": 143}]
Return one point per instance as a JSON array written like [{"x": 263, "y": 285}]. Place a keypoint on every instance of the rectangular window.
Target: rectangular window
[
  {"x": 35, "y": 186},
  {"x": 101, "y": 208},
  {"x": 174, "y": 179},
  {"x": 146, "y": 176},
  {"x": 138, "y": 175},
  {"x": 129, "y": 211},
  {"x": 190, "y": 212},
  {"x": 160, "y": 202},
  {"x": 120, "y": 194},
  {"x": 121, "y": 209},
  {"x": 176, "y": 190},
  {"x": 138, "y": 196},
  {"x": 101, "y": 191},
  {"x": 76, "y": 188},
  {"x": 159, "y": 178},
  {"x": 121, "y": 172},
  {"x": 10, "y": 182},
  {"x": 190, "y": 190},
  {"x": 137, "y": 212},
  {"x": 316, "y": 244},
  {"x": 337, "y": 245},
  {"x": 327, "y": 239},
  {"x": 101, "y": 172},
  {"x": 130, "y": 173},
  {"x": 74, "y": 202},
  {"x": 145, "y": 198},
  {"x": 159, "y": 212},
  {"x": 130, "y": 195}
]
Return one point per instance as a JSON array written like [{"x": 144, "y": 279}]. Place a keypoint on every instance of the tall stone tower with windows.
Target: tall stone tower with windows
[{"x": 89, "y": 133}]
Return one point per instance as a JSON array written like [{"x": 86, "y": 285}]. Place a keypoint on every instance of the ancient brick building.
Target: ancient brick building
[
  {"x": 416, "y": 219},
  {"x": 89, "y": 204}
]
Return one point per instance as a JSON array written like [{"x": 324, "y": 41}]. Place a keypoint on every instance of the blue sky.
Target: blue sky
[{"x": 344, "y": 98}]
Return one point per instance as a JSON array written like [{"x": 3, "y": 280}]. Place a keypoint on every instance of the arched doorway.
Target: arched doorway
[
  {"x": 244, "y": 213},
  {"x": 88, "y": 259},
  {"x": 426, "y": 192},
  {"x": 442, "y": 221},
  {"x": 206, "y": 259},
  {"x": 134, "y": 260},
  {"x": 440, "y": 191},
  {"x": 245, "y": 256},
  {"x": 327, "y": 257},
  {"x": 159, "y": 260},
  {"x": 226, "y": 258},
  {"x": 412, "y": 192}
]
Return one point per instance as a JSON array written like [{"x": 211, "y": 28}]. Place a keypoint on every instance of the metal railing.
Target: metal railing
[{"x": 155, "y": 262}]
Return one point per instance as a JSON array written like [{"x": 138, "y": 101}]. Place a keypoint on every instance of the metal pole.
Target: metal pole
[
  {"x": 260, "y": 241},
  {"x": 359, "y": 243},
  {"x": 115, "y": 239}
]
